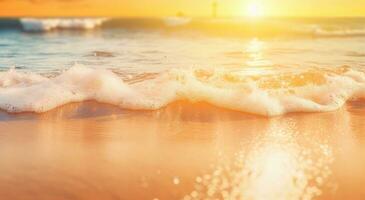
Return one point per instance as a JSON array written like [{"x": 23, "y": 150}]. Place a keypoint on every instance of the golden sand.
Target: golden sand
[{"x": 185, "y": 151}]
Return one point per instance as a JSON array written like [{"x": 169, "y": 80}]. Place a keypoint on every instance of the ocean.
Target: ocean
[
  {"x": 182, "y": 108},
  {"x": 279, "y": 65}
]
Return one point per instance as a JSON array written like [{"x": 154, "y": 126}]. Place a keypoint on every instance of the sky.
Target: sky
[{"x": 156, "y": 8}]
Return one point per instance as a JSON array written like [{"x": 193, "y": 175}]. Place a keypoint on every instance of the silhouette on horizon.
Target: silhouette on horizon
[{"x": 214, "y": 9}]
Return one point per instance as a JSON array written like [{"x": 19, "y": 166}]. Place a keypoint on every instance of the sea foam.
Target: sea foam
[
  {"x": 47, "y": 24},
  {"x": 177, "y": 21},
  {"x": 312, "y": 90}
]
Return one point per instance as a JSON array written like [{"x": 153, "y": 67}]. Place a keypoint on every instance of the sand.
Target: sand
[{"x": 185, "y": 151}]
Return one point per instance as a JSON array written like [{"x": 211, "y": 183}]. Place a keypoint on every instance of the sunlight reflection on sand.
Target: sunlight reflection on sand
[{"x": 185, "y": 151}]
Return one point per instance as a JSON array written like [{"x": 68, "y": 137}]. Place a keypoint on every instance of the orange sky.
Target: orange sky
[{"x": 171, "y": 7}]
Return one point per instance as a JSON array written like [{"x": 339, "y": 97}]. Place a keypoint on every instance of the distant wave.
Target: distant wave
[
  {"x": 341, "y": 31},
  {"x": 312, "y": 90},
  {"x": 236, "y": 27},
  {"x": 177, "y": 21},
  {"x": 43, "y": 24}
]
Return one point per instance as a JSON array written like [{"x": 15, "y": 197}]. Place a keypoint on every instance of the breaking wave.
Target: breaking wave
[
  {"x": 177, "y": 21},
  {"x": 340, "y": 33},
  {"x": 237, "y": 27},
  {"x": 44, "y": 24},
  {"x": 337, "y": 31},
  {"x": 313, "y": 90}
]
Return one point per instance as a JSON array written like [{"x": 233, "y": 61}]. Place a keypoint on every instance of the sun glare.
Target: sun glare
[{"x": 254, "y": 9}]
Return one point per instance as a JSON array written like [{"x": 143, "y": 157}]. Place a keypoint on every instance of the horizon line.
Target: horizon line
[{"x": 196, "y": 17}]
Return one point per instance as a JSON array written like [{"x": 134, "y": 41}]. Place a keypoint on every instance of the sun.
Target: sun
[{"x": 254, "y": 9}]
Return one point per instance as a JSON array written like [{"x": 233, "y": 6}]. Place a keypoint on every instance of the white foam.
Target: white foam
[
  {"x": 47, "y": 24},
  {"x": 177, "y": 21},
  {"x": 270, "y": 95},
  {"x": 317, "y": 30},
  {"x": 340, "y": 33}
]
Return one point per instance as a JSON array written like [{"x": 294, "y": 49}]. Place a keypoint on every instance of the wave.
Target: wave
[
  {"x": 177, "y": 21},
  {"x": 237, "y": 27},
  {"x": 313, "y": 90},
  {"x": 340, "y": 33},
  {"x": 44, "y": 24},
  {"x": 323, "y": 31}
]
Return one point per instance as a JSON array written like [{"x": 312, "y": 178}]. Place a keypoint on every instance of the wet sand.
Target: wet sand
[{"x": 185, "y": 151}]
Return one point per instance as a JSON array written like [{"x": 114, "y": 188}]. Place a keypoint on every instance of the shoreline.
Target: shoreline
[{"x": 93, "y": 109}]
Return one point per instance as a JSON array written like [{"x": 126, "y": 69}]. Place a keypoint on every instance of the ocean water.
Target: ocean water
[
  {"x": 261, "y": 66},
  {"x": 192, "y": 73}
]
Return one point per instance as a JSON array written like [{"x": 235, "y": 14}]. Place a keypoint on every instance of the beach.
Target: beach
[
  {"x": 182, "y": 108},
  {"x": 185, "y": 151}
]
